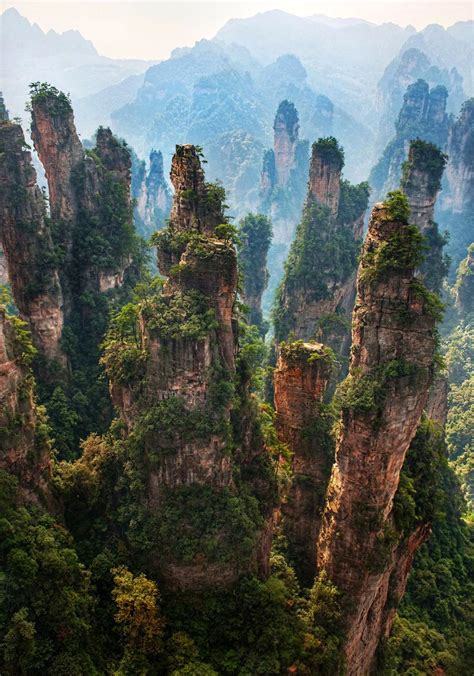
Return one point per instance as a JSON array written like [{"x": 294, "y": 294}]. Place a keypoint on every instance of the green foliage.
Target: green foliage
[
  {"x": 329, "y": 150},
  {"x": 353, "y": 201},
  {"x": 47, "y": 600},
  {"x": 22, "y": 337},
  {"x": 182, "y": 315},
  {"x": 398, "y": 208},
  {"x": 42, "y": 91},
  {"x": 320, "y": 256},
  {"x": 426, "y": 158}
]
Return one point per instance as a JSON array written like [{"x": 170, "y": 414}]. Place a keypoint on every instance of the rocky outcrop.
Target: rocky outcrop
[
  {"x": 282, "y": 181},
  {"x": 24, "y": 448},
  {"x": 393, "y": 342},
  {"x": 318, "y": 289},
  {"x": 153, "y": 196},
  {"x": 421, "y": 181},
  {"x": 422, "y": 116},
  {"x": 325, "y": 174},
  {"x": 300, "y": 380},
  {"x": 177, "y": 398},
  {"x": 28, "y": 247},
  {"x": 255, "y": 234}
]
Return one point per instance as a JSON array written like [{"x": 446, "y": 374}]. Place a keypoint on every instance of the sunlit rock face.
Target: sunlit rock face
[{"x": 393, "y": 342}]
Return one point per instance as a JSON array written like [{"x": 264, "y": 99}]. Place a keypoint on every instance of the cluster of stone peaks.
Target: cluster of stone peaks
[{"x": 198, "y": 444}]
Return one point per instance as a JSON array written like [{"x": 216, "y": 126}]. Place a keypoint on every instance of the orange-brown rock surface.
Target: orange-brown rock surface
[
  {"x": 187, "y": 372},
  {"x": 27, "y": 244},
  {"x": 393, "y": 342},
  {"x": 300, "y": 380}
]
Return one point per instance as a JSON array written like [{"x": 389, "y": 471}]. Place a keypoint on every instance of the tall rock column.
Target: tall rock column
[
  {"x": 300, "y": 380},
  {"x": 421, "y": 181},
  {"x": 393, "y": 343},
  {"x": 60, "y": 150},
  {"x": 317, "y": 293},
  {"x": 285, "y": 141},
  {"x": 174, "y": 379},
  {"x": 26, "y": 241}
]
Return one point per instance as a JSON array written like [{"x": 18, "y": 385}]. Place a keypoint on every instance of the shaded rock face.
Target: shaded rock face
[
  {"x": 255, "y": 235},
  {"x": 86, "y": 193},
  {"x": 300, "y": 380},
  {"x": 422, "y": 116},
  {"x": 283, "y": 176},
  {"x": 421, "y": 181},
  {"x": 393, "y": 341},
  {"x": 153, "y": 196},
  {"x": 285, "y": 141},
  {"x": 60, "y": 150},
  {"x": 318, "y": 290},
  {"x": 24, "y": 451},
  {"x": 325, "y": 178},
  {"x": 464, "y": 288},
  {"x": 3, "y": 110},
  {"x": 188, "y": 349},
  {"x": 27, "y": 244},
  {"x": 460, "y": 170}
]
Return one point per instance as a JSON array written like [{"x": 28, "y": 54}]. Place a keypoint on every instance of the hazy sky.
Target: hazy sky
[{"x": 149, "y": 30}]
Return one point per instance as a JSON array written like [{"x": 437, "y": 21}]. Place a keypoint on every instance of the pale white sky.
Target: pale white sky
[{"x": 150, "y": 30}]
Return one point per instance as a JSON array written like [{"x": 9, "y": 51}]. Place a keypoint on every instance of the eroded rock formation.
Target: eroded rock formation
[
  {"x": 283, "y": 176},
  {"x": 464, "y": 288},
  {"x": 421, "y": 181},
  {"x": 178, "y": 401},
  {"x": 24, "y": 447},
  {"x": 153, "y": 196},
  {"x": 393, "y": 342},
  {"x": 300, "y": 380},
  {"x": 318, "y": 289},
  {"x": 255, "y": 235},
  {"x": 27, "y": 244}
]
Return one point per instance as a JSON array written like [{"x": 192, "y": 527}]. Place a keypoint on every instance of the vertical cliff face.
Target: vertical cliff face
[
  {"x": 393, "y": 341},
  {"x": 318, "y": 289},
  {"x": 176, "y": 397},
  {"x": 285, "y": 141},
  {"x": 24, "y": 449},
  {"x": 3, "y": 110},
  {"x": 460, "y": 170},
  {"x": 255, "y": 235},
  {"x": 325, "y": 174},
  {"x": 422, "y": 116},
  {"x": 421, "y": 181},
  {"x": 56, "y": 141},
  {"x": 27, "y": 244},
  {"x": 457, "y": 198},
  {"x": 283, "y": 176},
  {"x": 464, "y": 288},
  {"x": 152, "y": 194},
  {"x": 300, "y": 380}
]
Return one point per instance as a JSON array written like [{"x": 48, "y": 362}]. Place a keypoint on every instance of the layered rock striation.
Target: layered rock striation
[
  {"x": 26, "y": 239},
  {"x": 382, "y": 400},
  {"x": 175, "y": 380},
  {"x": 301, "y": 377}
]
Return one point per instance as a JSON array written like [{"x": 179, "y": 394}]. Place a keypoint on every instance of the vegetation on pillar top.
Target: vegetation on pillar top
[
  {"x": 427, "y": 158},
  {"x": 42, "y": 92},
  {"x": 288, "y": 113},
  {"x": 330, "y": 152}
]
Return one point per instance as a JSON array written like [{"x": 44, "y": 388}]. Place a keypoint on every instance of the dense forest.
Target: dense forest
[{"x": 191, "y": 484}]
